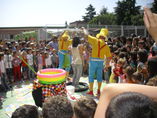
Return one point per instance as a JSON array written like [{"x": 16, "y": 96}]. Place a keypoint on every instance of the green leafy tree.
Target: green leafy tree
[
  {"x": 105, "y": 19},
  {"x": 103, "y": 11},
  {"x": 125, "y": 10},
  {"x": 89, "y": 14},
  {"x": 137, "y": 20},
  {"x": 154, "y": 8}
]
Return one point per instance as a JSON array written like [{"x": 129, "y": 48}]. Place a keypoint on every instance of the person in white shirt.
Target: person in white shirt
[
  {"x": 3, "y": 73},
  {"x": 48, "y": 60},
  {"x": 8, "y": 65},
  {"x": 30, "y": 62},
  {"x": 77, "y": 61}
]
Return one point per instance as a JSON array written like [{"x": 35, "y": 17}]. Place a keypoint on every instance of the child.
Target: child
[
  {"x": 30, "y": 62},
  {"x": 8, "y": 64},
  {"x": 48, "y": 60},
  {"x": 3, "y": 72},
  {"x": 117, "y": 71},
  {"x": 142, "y": 59},
  {"x": 16, "y": 67},
  {"x": 39, "y": 60},
  {"x": 24, "y": 66},
  {"x": 54, "y": 58},
  {"x": 35, "y": 61},
  {"x": 128, "y": 75}
]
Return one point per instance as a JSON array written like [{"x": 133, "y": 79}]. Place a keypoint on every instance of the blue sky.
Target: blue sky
[{"x": 49, "y": 12}]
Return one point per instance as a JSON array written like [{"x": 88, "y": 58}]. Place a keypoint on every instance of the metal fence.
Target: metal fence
[
  {"x": 114, "y": 30},
  {"x": 121, "y": 30},
  {"x": 46, "y": 32}
]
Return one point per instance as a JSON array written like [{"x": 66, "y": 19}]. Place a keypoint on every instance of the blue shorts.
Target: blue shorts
[
  {"x": 95, "y": 69},
  {"x": 61, "y": 55}
]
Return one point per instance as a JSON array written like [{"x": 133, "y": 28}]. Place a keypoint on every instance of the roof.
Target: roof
[{"x": 17, "y": 30}]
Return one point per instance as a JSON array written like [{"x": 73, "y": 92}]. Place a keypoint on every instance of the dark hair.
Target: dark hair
[
  {"x": 129, "y": 39},
  {"x": 129, "y": 71},
  {"x": 131, "y": 105},
  {"x": 26, "y": 111},
  {"x": 122, "y": 54},
  {"x": 85, "y": 107},
  {"x": 1, "y": 55},
  {"x": 76, "y": 41},
  {"x": 136, "y": 76},
  {"x": 57, "y": 107},
  {"x": 133, "y": 55},
  {"x": 142, "y": 55},
  {"x": 152, "y": 66}
]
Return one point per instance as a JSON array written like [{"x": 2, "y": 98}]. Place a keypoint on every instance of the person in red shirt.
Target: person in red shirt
[
  {"x": 16, "y": 67},
  {"x": 24, "y": 65}
]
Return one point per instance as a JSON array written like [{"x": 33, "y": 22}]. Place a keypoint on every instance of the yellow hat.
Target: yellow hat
[
  {"x": 65, "y": 35},
  {"x": 104, "y": 33}
]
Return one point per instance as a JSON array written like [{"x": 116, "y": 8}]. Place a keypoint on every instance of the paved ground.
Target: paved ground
[{"x": 21, "y": 94}]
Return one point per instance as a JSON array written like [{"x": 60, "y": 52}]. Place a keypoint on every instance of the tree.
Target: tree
[
  {"x": 137, "y": 20},
  {"x": 105, "y": 19},
  {"x": 154, "y": 8},
  {"x": 89, "y": 14},
  {"x": 125, "y": 10},
  {"x": 103, "y": 11}
]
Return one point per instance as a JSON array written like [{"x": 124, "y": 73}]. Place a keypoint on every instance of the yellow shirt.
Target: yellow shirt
[
  {"x": 63, "y": 45},
  {"x": 99, "y": 48}
]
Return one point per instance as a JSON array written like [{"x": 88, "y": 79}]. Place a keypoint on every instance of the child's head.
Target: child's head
[
  {"x": 26, "y": 111},
  {"x": 137, "y": 78},
  {"x": 24, "y": 53},
  {"x": 54, "y": 51},
  {"x": 129, "y": 71},
  {"x": 85, "y": 108},
  {"x": 122, "y": 55},
  {"x": 142, "y": 55},
  {"x": 1, "y": 56},
  {"x": 29, "y": 51},
  {"x": 131, "y": 105},
  {"x": 121, "y": 62},
  {"x": 57, "y": 107}
]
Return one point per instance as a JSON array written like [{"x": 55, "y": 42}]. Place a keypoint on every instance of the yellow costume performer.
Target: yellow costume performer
[
  {"x": 100, "y": 51},
  {"x": 64, "y": 42}
]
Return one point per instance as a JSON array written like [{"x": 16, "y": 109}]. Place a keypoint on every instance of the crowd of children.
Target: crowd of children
[
  {"x": 20, "y": 60},
  {"x": 133, "y": 61},
  {"x": 131, "y": 57}
]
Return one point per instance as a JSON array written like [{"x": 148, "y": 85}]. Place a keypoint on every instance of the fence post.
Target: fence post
[
  {"x": 122, "y": 30},
  {"x": 145, "y": 32},
  {"x": 136, "y": 30},
  {"x": 45, "y": 32},
  {"x": 38, "y": 34}
]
